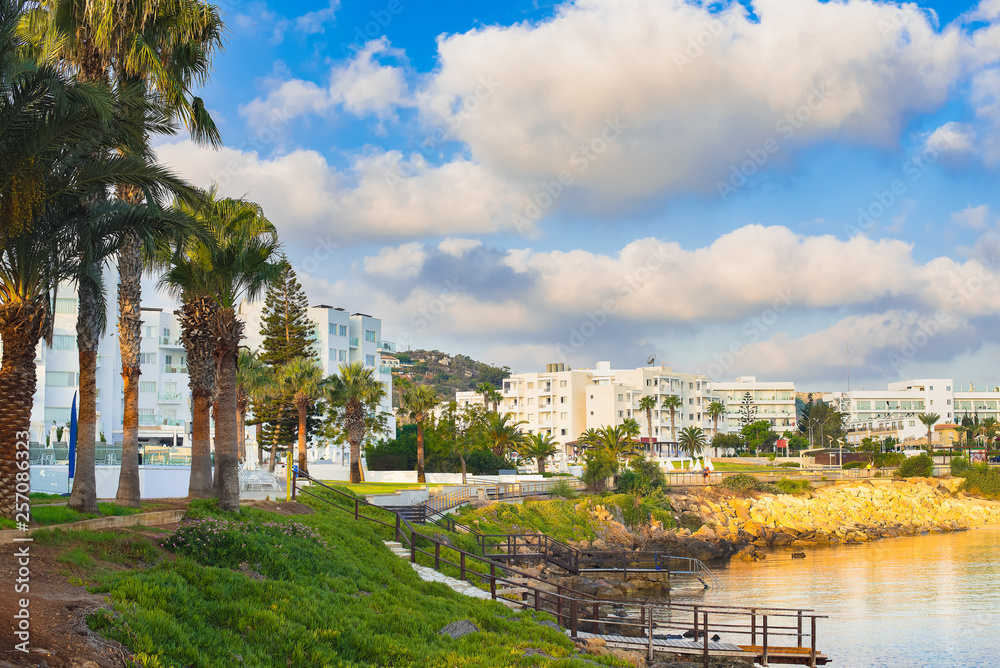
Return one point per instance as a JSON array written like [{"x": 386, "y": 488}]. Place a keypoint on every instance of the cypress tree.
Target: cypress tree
[{"x": 286, "y": 328}]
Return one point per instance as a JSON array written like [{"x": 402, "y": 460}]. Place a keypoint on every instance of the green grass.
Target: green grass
[
  {"x": 45, "y": 497},
  {"x": 365, "y": 488},
  {"x": 348, "y": 603},
  {"x": 47, "y": 515},
  {"x": 7, "y": 523},
  {"x": 982, "y": 479}
]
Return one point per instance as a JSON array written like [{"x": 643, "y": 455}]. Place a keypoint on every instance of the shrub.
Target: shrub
[
  {"x": 959, "y": 465},
  {"x": 643, "y": 477},
  {"x": 789, "y": 465},
  {"x": 600, "y": 466},
  {"x": 741, "y": 482},
  {"x": 982, "y": 479},
  {"x": 562, "y": 489},
  {"x": 889, "y": 459},
  {"x": 921, "y": 466},
  {"x": 855, "y": 465},
  {"x": 789, "y": 486}
]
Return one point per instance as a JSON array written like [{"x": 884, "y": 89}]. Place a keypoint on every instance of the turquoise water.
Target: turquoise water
[{"x": 917, "y": 602}]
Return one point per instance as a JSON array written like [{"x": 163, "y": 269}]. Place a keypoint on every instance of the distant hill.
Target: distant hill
[{"x": 446, "y": 373}]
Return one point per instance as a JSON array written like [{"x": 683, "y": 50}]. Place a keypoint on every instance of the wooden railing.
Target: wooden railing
[{"x": 578, "y": 611}]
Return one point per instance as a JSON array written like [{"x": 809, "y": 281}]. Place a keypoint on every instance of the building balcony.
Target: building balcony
[
  {"x": 354, "y": 342},
  {"x": 171, "y": 368},
  {"x": 385, "y": 368},
  {"x": 159, "y": 421},
  {"x": 170, "y": 342},
  {"x": 387, "y": 346},
  {"x": 169, "y": 397}
]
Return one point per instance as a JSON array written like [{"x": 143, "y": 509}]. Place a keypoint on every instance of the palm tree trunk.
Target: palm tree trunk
[
  {"x": 228, "y": 491},
  {"x": 241, "y": 437},
  {"x": 673, "y": 429},
  {"x": 541, "y": 465},
  {"x": 200, "y": 484},
  {"x": 355, "y": 460},
  {"x": 303, "y": 412},
  {"x": 83, "y": 497},
  {"x": 21, "y": 327},
  {"x": 260, "y": 446},
  {"x": 420, "y": 449},
  {"x": 129, "y": 336},
  {"x": 461, "y": 458},
  {"x": 274, "y": 438}
]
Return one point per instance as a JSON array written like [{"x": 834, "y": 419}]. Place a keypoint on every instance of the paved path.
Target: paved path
[{"x": 431, "y": 575}]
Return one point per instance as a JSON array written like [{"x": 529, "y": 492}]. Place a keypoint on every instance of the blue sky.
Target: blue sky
[{"x": 739, "y": 189}]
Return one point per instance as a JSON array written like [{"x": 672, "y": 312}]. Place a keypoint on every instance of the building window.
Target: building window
[
  {"x": 562, "y": 400},
  {"x": 619, "y": 413},
  {"x": 562, "y": 383},
  {"x": 690, "y": 386},
  {"x": 147, "y": 414},
  {"x": 592, "y": 396},
  {"x": 531, "y": 417},
  {"x": 531, "y": 386},
  {"x": 932, "y": 388},
  {"x": 66, "y": 306},
  {"x": 913, "y": 423},
  {"x": 691, "y": 416},
  {"x": 170, "y": 413},
  {"x": 591, "y": 412},
  {"x": 949, "y": 402},
  {"x": 57, "y": 415},
  {"x": 932, "y": 402},
  {"x": 621, "y": 397},
  {"x": 947, "y": 388},
  {"x": 369, "y": 335},
  {"x": 149, "y": 332},
  {"x": 563, "y": 416},
  {"x": 370, "y": 360},
  {"x": 333, "y": 354},
  {"x": 562, "y": 432},
  {"x": 531, "y": 401},
  {"x": 147, "y": 387},
  {"x": 63, "y": 342},
  {"x": 649, "y": 382},
  {"x": 150, "y": 358},
  {"x": 343, "y": 330},
  {"x": 341, "y": 355},
  {"x": 61, "y": 379},
  {"x": 690, "y": 401},
  {"x": 333, "y": 329}
]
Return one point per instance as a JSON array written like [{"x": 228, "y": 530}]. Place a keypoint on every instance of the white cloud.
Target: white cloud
[
  {"x": 361, "y": 86},
  {"x": 458, "y": 247},
  {"x": 663, "y": 65},
  {"x": 400, "y": 261},
  {"x": 311, "y": 23},
  {"x": 976, "y": 217},
  {"x": 379, "y": 195},
  {"x": 952, "y": 137}
]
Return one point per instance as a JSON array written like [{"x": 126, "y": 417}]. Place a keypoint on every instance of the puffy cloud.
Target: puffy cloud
[
  {"x": 404, "y": 261},
  {"x": 976, "y": 217},
  {"x": 361, "y": 86},
  {"x": 380, "y": 195},
  {"x": 952, "y": 138},
  {"x": 545, "y": 93}
]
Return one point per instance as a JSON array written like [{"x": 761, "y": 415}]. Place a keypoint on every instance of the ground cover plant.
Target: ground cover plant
[
  {"x": 261, "y": 589},
  {"x": 921, "y": 466},
  {"x": 982, "y": 479},
  {"x": 48, "y": 514},
  {"x": 741, "y": 482}
]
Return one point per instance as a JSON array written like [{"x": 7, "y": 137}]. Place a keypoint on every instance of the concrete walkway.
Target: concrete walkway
[{"x": 430, "y": 575}]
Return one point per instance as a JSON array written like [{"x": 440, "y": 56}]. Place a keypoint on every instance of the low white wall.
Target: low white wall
[
  {"x": 155, "y": 482},
  {"x": 390, "y": 476}
]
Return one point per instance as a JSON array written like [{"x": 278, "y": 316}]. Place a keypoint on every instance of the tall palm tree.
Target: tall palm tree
[
  {"x": 631, "y": 427},
  {"x": 672, "y": 403},
  {"x": 988, "y": 429},
  {"x": 352, "y": 398},
  {"x": 237, "y": 263},
  {"x": 54, "y": 138},
  {"x": 165, "y": 48},
  {"x": 304, "y": 378},
  {"x": 929, "y": 419},
  {"x": 613, "y": 439},
  {"x": 503, "y": 433},
  {"x": 417, "y": 402},
  {"x": 716, "y": 410},
  {"x": 251, "y": 376},
  {"x": 692, "y": 440},
  {"x": 485, "y": 388},
  {"x": 647, "y": 404},
  {"x": 495, "y": 398},
  {"x": 539, "y": 447}
]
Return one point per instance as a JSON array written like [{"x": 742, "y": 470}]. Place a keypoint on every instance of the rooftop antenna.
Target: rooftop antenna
[
  {"x": 651, "y": 359},
  {"x": 847, "y": 347}
]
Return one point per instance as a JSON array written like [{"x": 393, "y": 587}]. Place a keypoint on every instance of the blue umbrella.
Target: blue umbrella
[{"x": 72, "y": 440}]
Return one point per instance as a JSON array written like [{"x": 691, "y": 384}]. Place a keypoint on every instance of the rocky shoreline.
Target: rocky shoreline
[{"x": 748, "y": 526}]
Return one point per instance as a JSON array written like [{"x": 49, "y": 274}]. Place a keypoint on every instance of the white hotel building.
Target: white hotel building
[
  {"x": 164, "y": 397},
  {"x": 564, "y": 403},
  {"x": 773, "y": 401},
  {"x": 895, "y": 411}
]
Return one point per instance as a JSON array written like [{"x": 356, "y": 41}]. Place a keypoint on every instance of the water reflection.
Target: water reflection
[{"x": 924, "y": 601}]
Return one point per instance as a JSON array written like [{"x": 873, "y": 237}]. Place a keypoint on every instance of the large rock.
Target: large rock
[{"x": 458, "y": 629}]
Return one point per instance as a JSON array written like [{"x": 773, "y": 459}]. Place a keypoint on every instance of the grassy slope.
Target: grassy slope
[{"x": 353, "y": 604}]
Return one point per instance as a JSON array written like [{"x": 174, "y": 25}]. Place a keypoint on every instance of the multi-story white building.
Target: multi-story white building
[
  {"x": 564, "y": 403},
  {"x": 895, "y": 411},
  {"x": 773, "y": 401},
  {"x": 164, "y": 406},
  {"x": 338, "y": 338}
]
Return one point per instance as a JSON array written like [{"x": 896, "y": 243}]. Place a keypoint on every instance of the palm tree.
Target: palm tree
[
  {"x": 237, "y": 263},
  {"x": 692, "y": 440},
  {"x": 485, "y": 388},
  {"x": 929, "y": 419},
  {"x": 647, "y": 404},
  {"x": 716, "y": 410},
  {"x": 672, "y": 403},
  {"x": 252, "y": 377},
  {"x": 539, "y": 447},
  {"x": 165, "y": 49},
  {"x": 417, "y": 402},
  {"x": 614, "y": 439},
  {"x": 631, "y": 427},
  {"x": 54, "y": 140},
  {"x": 355, "y": 395},
  {"x": 988, "y": 429},
  {"x": 502, "y": 433},
  {"x": 304, "y": 377},
  {"x": 495, "y": 398}
]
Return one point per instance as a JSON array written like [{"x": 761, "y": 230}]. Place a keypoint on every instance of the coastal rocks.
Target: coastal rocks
[
  {"x": 750, "y": 553},
  {"x": 458, "y": 629}
]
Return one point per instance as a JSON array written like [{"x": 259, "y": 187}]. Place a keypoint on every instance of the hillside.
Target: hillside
[{"x": 446, "y": 373}]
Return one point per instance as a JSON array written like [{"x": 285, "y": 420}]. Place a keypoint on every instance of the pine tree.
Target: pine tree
[{"x": 286, "y": 329}]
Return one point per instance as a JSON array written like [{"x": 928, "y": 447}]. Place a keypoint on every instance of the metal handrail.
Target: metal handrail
[{"x": 569, "y": 605}]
